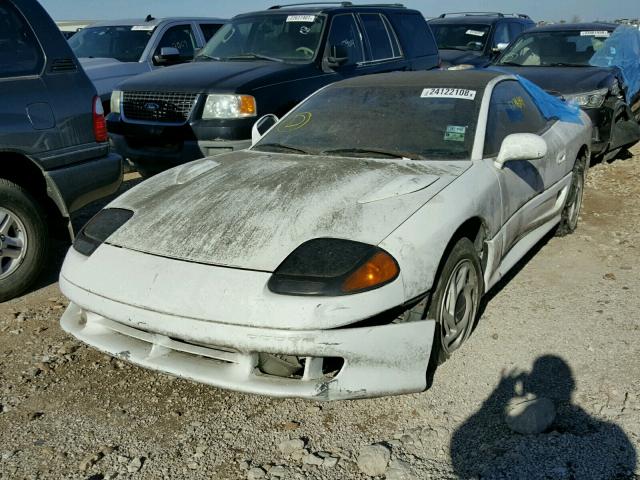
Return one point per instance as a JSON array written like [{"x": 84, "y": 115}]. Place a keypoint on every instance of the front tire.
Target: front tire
[
  {"x": 456, "y": 300},
  {"x": 24, "y": 240},
  {"x": 571, "y": 210}
]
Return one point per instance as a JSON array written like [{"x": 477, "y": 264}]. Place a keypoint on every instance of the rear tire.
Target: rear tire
[
  {"x": 24, "y": 240},
  {"x": 571, "y": 210}
]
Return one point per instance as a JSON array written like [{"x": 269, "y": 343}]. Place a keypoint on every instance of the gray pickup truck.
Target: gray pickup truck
[{"x": 115, "y": 50}]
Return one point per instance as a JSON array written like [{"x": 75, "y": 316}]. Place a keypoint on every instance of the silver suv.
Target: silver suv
[{"x": 115, "y": 50}]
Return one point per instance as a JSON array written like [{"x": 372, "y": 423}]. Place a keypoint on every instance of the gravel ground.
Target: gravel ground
[{"x": 564, "y": 326}]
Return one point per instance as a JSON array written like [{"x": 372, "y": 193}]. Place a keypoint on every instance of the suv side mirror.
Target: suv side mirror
[
  {"x": 499, "y": 48},
  {"x": 168, "y": 56},
  {"x": 521, "y": 146},
  {"x": 338, "y": 55},
  {"x": 262, "y": 125}
]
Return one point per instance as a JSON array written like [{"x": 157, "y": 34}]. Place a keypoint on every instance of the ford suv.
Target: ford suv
[
  {"x": 259, "y": 63},
  {"x": 54, "y": 150}
]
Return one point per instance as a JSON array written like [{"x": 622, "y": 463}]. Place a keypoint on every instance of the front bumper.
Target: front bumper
[{"x": 378, "y": 360}]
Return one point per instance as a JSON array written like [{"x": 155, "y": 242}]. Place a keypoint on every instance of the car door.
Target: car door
[
  {"x": 27, "y": 121},
  {"x": 382, "y": 49},
  {"x": 345, "y": 33},
  {"x": 180, "y": 36},
  {"x": 512, "y": 110}
]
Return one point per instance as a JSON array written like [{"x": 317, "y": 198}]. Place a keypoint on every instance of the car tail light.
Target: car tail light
[{"x": 99, "y": 123}]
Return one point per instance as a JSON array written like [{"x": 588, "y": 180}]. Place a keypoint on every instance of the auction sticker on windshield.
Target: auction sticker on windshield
[
  {"x": 596, "y": 33},
  {"x": 143, "y": 27},
  {"x": 441, "y": 92},
  {"x": 301, "y": 18},
  {"x": 475, "y": 33}
]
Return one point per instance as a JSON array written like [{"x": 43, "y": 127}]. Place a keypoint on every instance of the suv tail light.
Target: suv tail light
[{"x": 99, "y": 123}]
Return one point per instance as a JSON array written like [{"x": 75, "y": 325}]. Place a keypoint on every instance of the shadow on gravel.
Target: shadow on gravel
[
  {"x": 59, "y": 247},
  {"x": 575, "y": 446}
]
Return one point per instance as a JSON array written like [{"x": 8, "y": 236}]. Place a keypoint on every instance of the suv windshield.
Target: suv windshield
[
  {"x": 278, "y": 37},
  {"x": 380, "y": 122},
  {"x": 123, "y": 42},
  {"x": 460, "y": 37},
  {"x": 549, "y": 49}
]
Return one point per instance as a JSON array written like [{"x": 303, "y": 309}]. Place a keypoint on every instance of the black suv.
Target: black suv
[
  {"x": 54, "y": 150},
  {"x": 473, "y": 39},
  {"x": 259, "y": 63}
]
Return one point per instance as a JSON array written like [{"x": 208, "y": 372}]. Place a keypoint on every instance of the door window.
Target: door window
[
  {"x": 208, "y": 29},
  {"x": 515, "y": 29},
  {"x": 501, "y": 34},
  {"x": 511, "y": 111},
  {"x": 344, "y": 32},
  {"x": 379, "y": 37},
  {"x": 180, "y": 37},
  {"x": 414, "y": 31},
  {"x": 20, "y": 53}
]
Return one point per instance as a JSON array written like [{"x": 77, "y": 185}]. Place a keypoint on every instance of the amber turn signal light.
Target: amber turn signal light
[
  {"x": 381, "y": 268},
  {"x": 247, "y": 106}
]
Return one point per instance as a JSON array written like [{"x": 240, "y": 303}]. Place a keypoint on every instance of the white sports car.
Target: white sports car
[{"x": 343, "y": 255}]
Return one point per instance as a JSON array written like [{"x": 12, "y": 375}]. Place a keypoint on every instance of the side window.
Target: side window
[
  {"x": 415, "y": 34},
  {"x": 344, "y": 32},
  {"x": 515, "y": 29},
  {"x": 511, "y": 111},
  {"x": 208, "y": 30},
  {"x": 378, "y": 37},
  {"x": 501, "y": 34},
  {"x": 20, "y": 53},
  {"x": 180, "y": 37}
]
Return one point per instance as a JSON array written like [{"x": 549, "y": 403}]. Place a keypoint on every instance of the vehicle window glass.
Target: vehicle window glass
[
  {"x": 277, "y": 37},
  {"x": 501, "y": 34},
  {"x": 209, "y": 29},
  {"x": 414, "y": 30},
  {"x": 20, "y": 53},
  {"x": 344, "y": 32},
  {"x": 460, "y": 37},
  {"x": 125, "y": 43},
  {"x": 548, "y": 49},
  {"x": 180, "y": 37},
  {"x": 377, "y": 36},
  {"x": 395, "y": 46},
  {"x": 393, "y": 120},
  {"x": 515, "y": 29},
  {"x": 511, "y": 111}
]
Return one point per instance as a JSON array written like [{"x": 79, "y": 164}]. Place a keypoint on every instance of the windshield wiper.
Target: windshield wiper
[
  {"x": 356, "y": 152},
  {"x": 250, "y": 55},
  {"x": 208, "y": 57},
  {"x": 280, "y": 147},
  {"x": 563, "y": 64},
  {"x": 511, "y": 64}
]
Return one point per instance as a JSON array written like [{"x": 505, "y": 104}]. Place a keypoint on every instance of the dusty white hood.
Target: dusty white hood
[
  {"x": 250, "y": 210},
  {"x": 108, "y": 73}
]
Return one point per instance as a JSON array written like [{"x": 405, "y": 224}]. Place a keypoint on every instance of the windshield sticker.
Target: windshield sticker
[
  {"x": 301, "y": 18},
  {"x": 296, "y": 122},
  {"x": 455, "y": 133},
  {"x": 475, "y": 33},
  {"x": 304, "y": 30},
  {"x": 518, "y": 102},
  {"x": 596, "y": 33},
  {"x": 146, "y": 28},
  {"x": 461, "y": 93}
]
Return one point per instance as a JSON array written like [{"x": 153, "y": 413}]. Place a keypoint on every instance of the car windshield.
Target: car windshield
[
  {"x": 122, "y": 42},
  {"x": 415, "y": 122},
  {"x": 276, "y": 37},
  {"x": 549, "y": 49},
  {"x": 460, "y": 37}
]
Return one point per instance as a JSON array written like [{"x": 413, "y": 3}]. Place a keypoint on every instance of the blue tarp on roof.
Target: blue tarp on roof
[{"x": 622, "y": 50}]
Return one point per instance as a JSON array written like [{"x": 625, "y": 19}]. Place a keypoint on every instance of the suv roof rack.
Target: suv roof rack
[
  {"x": 341, "y": 4},
  {"x": 486, "y": 14}
]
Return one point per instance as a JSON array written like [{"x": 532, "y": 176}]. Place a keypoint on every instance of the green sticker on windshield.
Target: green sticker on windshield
[{"x": 455, "y": 133}]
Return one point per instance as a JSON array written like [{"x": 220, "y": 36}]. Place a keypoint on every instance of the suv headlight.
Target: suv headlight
[
  {"x": 116, "y": 100},
  {"x": 593, "y": 99},
  {"x": 229, "y": 106}
]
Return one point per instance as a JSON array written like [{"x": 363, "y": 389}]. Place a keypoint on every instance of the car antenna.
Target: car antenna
[{"x": 149, "y": 18}]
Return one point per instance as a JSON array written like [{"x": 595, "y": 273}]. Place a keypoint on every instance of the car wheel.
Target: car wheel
[
  {"x": 455, "y": 301},
  {"x": 24, "y": 240},
  {"x": 571, "y": 210}
]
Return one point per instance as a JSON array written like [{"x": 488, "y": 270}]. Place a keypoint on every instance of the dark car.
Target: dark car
[
  {"x": 473, "y": 39},
  {"x": 54, "y": 150},
  {"x": 560, "y": 59},
  {"x": 259, "y": 63}
]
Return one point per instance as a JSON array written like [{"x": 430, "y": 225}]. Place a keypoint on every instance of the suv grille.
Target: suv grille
[{"x": 166, "y": 107}]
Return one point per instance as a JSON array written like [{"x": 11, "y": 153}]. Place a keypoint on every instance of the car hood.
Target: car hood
[
  {"x": 459, "y": 57},
  {"x": 207, "y": 76},
  {"x": 565, "y": 80},
  {"x": 250, "y": 210},
  {"x": 108, "y": 73}
]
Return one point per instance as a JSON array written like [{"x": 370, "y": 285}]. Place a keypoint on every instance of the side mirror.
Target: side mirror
[
  {"x": 499, "y": 48},
  {"x": 338, "y": 55},
  {"x": 521, "y": 146},
  {"x": 262, "y": 126},
  {"x": 168, "y": 56}
]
